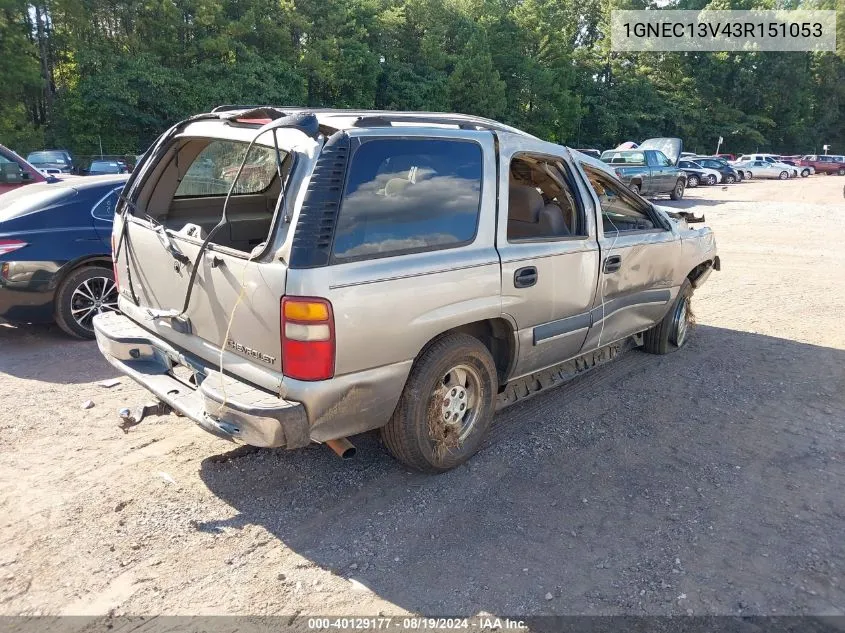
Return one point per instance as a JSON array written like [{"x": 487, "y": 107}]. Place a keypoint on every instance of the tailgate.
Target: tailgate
[{"x": 230, "y": 294}]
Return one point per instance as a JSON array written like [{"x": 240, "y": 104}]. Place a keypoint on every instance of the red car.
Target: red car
[
  {"x": 16, "y": 172},
  {"x": 727, "y": 156},
  {"x": 823, "y": 164}
]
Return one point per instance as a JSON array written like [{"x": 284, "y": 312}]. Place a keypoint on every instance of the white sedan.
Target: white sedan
[{"x": 765, "y": 169}]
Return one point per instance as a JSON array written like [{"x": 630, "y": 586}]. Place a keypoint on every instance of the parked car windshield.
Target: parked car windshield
[
  {"x": 105, "y": 167},
  {"x": 47, "y": 157}
]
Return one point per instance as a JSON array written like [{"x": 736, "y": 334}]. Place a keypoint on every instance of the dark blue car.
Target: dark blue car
[{"x": 55, "y": 252}]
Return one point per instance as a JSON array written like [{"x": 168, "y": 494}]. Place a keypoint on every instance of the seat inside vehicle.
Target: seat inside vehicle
[{"x": 540, "y": 203}]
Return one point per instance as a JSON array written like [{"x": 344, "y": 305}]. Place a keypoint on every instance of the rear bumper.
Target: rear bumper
[
  {"x": 220, "y": 404},
  {"x": 27, "y": 290}
]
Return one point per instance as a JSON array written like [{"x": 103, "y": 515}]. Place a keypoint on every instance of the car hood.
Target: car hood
[{"x": 671, "y": 147}]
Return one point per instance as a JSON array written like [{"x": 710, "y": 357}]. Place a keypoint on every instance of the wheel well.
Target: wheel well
[
  {"x": 696, "y": 273},
  {"x": 497, "y": 335},
  {"x": 94, "y": 260}
]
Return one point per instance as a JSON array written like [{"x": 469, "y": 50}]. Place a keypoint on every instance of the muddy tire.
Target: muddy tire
[
  {"x": 678, "y": 192},
  {"x": 674, "y": 329},
  {"x": 84, "y": 293},
  {"x": 446, "y": 407}
]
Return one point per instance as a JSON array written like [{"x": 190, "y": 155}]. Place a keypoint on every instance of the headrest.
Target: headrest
[{"x": 525, "y": 203}]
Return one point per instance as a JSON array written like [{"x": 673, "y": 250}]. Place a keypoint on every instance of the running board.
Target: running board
[{"x": 541, "y": 381}]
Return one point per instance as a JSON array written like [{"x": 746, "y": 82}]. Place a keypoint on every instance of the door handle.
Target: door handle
[
  {"x": 525, "y": 277},
  {"x": 612, "y": 263}
]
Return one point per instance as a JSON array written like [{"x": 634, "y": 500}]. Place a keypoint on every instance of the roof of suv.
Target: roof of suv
[{"x": 337, "y": 119}]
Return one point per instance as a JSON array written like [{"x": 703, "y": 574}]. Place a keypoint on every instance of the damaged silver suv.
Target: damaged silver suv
[{"x": 289, "y": 276}]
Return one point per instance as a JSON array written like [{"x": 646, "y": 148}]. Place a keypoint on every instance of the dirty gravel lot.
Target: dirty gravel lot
[{"x": 709, "y": 481}]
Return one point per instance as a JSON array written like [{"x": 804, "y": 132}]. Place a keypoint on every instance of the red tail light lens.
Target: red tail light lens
[
  {"x": 114, "y": 263},
  {"x": 10, "y": 246},
  {"x": 308, "y": 341}
]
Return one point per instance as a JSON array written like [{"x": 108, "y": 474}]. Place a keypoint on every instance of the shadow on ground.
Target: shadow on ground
[
  {"x": 690, "y": 203},
  {"x": 46, "y": 349},
  {"x": 706, "y": 481}
]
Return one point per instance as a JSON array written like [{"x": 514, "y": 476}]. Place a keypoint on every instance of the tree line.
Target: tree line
[{"x": 77, "y": 73}]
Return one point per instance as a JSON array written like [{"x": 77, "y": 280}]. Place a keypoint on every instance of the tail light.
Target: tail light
[
  {"x": 114, "y": 264},
  {"x": 308, "y": 341},
  {"x": 10, "y": 246}
]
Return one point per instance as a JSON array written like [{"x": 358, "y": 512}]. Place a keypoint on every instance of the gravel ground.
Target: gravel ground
[{"x": 708, "y": 481}]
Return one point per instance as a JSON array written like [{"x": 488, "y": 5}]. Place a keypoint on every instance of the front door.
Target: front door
[
  {"x": 546, "y": 238},
  {"x": 638, "y": 258}
]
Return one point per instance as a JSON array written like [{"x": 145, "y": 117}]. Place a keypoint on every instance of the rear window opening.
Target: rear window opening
[{"x": 188, "y": 189}]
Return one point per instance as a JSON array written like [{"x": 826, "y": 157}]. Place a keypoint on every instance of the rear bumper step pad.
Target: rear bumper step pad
[{"x": 220, "y": 404}]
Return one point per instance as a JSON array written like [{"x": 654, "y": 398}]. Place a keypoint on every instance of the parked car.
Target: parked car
[
  {"x": 16, "y": 172},
  {"x": 102, "y": 167},
  {"x": 417, "y": 297},
  {"x": 60, "y": 159},
  {"x": 648, "y": 170},
  {"x": 791, "y": 170},
  {"x": 727, "y": 157},
  {"x": 727, "y": 173},
  {"x": 695, "y": 172},
  {"x": 796, "y": 161},
  {"x": 766, "y": 169},
  {"x": 823, "y": 164},
  {"x": 55, "y": 253}
]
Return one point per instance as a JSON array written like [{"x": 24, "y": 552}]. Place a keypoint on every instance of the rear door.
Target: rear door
[
  {"x": 639, "y": 254},
  {"x": 546, "y": 238}
]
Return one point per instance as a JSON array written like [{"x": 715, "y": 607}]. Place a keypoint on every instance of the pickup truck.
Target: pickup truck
[
  {"x": 402, "y": 271},
  {"x": 649, "y": 172}
]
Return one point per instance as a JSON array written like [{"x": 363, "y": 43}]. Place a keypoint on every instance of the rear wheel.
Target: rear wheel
[
  {"x": 674, "y": 329},
  {"x": 446, "y": 407},
  {"x": 678, "y": 192},
  {"x": 692, "y": 182},
  {"x": 783, "y": 175},
  {"x": 85, "y": 292},
  {"x": 841, "y": 171}
]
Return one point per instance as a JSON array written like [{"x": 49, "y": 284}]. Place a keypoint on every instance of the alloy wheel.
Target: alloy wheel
[{"x": 91, "y": 297}]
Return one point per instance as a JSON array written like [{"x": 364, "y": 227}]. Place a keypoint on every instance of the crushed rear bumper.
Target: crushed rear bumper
[{"x": 220, "y": 404}]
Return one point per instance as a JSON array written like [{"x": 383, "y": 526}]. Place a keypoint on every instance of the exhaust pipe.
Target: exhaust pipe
[{"x": 342, "y": 447}]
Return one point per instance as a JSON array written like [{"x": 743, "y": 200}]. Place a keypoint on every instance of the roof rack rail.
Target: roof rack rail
[
  {"x": 386, "y": 119},
  {"x": 231, "y": 107}
]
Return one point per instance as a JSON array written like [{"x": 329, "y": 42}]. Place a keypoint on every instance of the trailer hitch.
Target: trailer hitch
[{"x": 128, "y": 420}]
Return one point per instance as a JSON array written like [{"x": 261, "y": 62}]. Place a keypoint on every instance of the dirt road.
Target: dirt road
[{"x": 708, "y": 481}]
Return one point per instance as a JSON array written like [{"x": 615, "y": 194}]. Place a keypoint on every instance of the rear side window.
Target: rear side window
[
  {"x": 406, "y": 195},
  {"x": 215, "y": 167}
]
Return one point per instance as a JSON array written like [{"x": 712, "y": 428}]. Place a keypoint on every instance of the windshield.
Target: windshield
[{"x": 47, "y": 157}]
